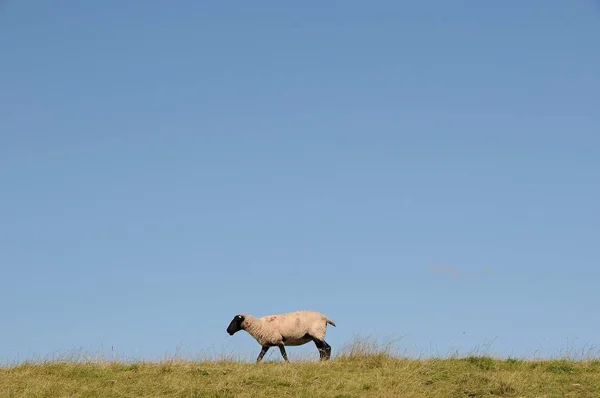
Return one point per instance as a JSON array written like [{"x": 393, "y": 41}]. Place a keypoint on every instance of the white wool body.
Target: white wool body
[{"x": 290, "y": 329}]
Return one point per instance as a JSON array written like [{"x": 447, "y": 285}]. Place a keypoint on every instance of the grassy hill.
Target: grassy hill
[{"x": 353, "y": 374}]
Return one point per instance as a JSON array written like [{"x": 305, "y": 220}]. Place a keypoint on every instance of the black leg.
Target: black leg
[
  {"x": 262, "y": 353},
  {"x": 324, "y": 349},
  {"x": 327, "y": 350},
  {"x": 283, "y": 354}
]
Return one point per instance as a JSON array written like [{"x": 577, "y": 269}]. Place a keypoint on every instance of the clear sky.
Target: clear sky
[{"x": 427, "y": 170}]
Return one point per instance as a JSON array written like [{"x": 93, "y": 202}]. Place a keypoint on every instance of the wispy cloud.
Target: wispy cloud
[
  {"x": 453, "y": 272},
  {"x": 445, "y": 270}
]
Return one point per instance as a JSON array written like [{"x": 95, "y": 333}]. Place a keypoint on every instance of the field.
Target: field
[{"x": 355, "y": 373}]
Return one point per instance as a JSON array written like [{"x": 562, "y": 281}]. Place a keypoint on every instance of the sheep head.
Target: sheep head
[{"x": 235, "y": 325}]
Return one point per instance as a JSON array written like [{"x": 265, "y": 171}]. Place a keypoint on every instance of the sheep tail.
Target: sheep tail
[{"x": 329, "y": 321}]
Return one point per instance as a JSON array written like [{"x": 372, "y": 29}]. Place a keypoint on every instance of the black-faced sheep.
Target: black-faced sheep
[{"x": 290, "y": 329}]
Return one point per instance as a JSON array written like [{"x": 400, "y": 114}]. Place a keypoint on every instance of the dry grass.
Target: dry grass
[{"x": 362, "y": 370}]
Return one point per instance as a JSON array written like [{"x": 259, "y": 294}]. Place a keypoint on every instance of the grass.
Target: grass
[{"x": 363, "y": 369}]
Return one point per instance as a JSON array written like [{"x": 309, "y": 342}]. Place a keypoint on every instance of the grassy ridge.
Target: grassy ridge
[
  {"x": 352, "y": 374},
  {"x": 374, "y": 376}
]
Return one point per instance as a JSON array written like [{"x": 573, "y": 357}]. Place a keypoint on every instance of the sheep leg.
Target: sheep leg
[
  {"x": 283, "y": 353},
  {"x": 327, "y": 350},
  {"x": 263, "y": 351},
  {"x": 323, "y": 347}
]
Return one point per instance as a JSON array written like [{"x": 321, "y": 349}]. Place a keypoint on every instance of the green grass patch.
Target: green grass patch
[{"x": 362, "y": 370}]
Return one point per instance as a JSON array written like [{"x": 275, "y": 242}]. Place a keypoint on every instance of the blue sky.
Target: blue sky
[{"x": 418, "y": 169}]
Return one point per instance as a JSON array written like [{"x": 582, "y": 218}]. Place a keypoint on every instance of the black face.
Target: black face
[{"x": 235, "y": 325}]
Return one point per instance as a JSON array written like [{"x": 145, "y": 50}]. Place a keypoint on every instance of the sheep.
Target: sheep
[{"x": 289, "y": 329}]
